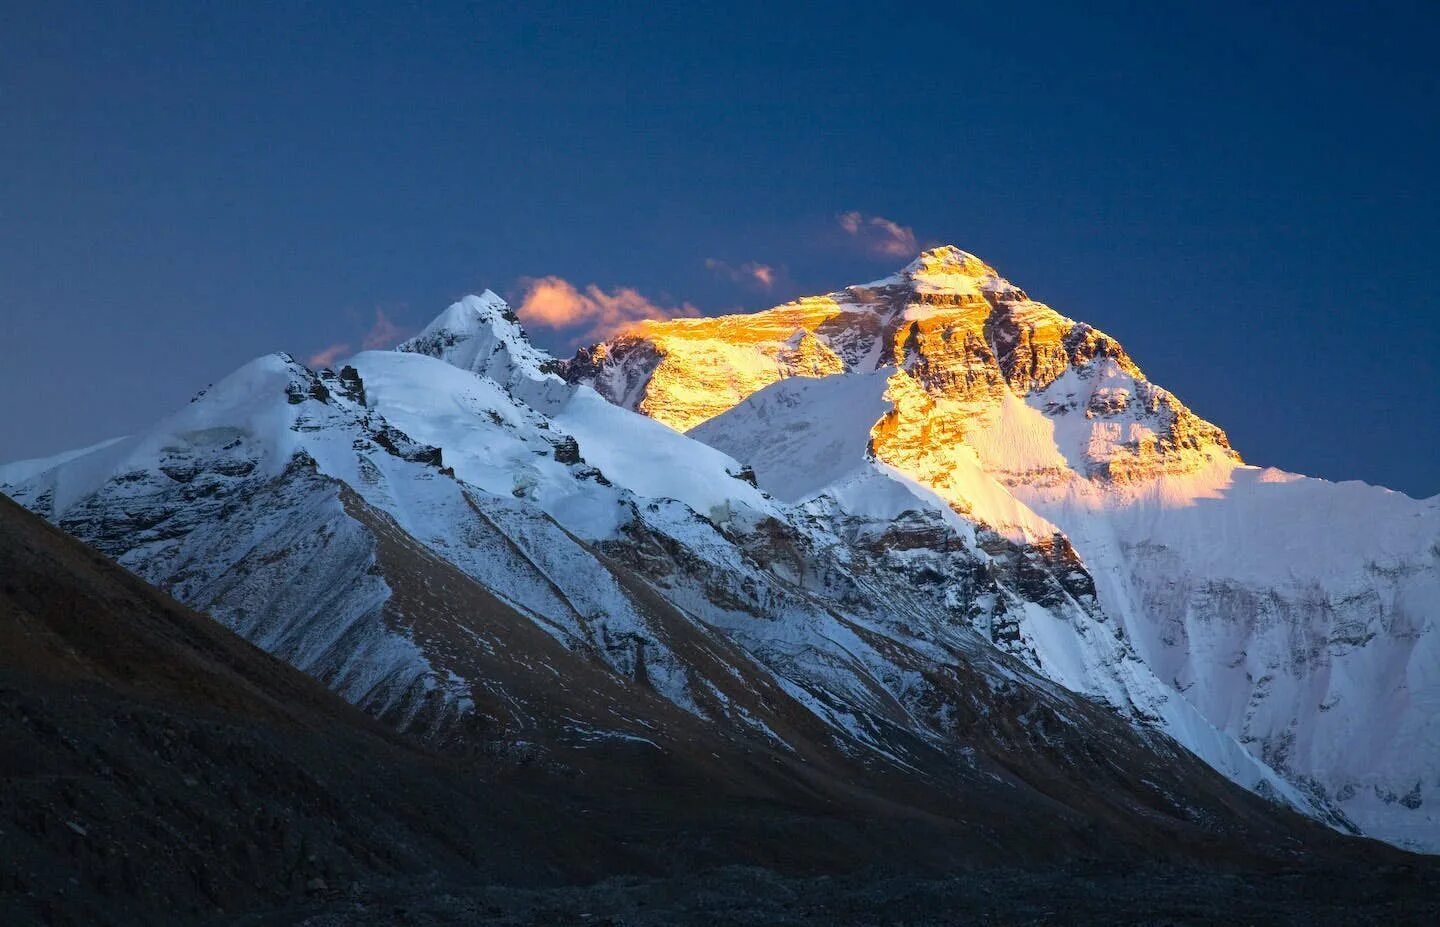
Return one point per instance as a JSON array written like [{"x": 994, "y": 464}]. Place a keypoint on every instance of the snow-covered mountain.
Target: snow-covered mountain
[
  {"x": 1227, "y": 603},
  {"x": 463, "y": 543},
  {"x": 909, "y": 523}
]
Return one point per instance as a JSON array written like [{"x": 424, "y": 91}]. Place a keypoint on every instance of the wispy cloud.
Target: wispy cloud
[
  {"x": 879, "y": 235},
  {"x": 383, "y": 334},
  {"x": 327, "y": 356},
  {"x": 751, "y": 272},
  {"x": 590, "y": 313}
]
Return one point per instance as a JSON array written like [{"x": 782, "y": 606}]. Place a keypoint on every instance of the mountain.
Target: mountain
[
  {"x": 623, "y": 639},
  {"x": 466, "y": 546},
  {"x": 1293, "y": 616}
]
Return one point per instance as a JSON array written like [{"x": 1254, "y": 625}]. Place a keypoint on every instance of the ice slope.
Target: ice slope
[
  {"x": 801, "y": 435},
  {"x": 1298, "y": 615}
]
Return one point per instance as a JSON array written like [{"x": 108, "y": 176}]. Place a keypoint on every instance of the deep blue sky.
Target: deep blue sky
[{"x": 1247, "y": 196}]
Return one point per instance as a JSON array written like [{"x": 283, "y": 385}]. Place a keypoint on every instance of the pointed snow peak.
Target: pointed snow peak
[
  {"x": 946, "y": 269},
  {"x": 948, "y": 259},
  {"x": 484, "y": 309},
  {"x": 470, "y": 315},
  {"x": 482, "y": 334}
]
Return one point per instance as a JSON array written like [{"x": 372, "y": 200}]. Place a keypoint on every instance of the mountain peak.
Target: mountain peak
[
  {"x": 483, "y": 334},
  {"x": 948, "y": 259},
  {"x": 946, "y": 269},
  {"x": 472, "y": 313}
]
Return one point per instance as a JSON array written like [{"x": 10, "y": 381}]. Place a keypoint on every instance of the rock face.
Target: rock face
[{"x": 1296, "y": 616}]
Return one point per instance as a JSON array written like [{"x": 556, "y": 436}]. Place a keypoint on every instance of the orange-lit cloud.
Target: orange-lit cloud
[
  {"x": 383, "y": 334},
  {"x": 553, "y": 302},
  {"x": 752, "y": 272},
  {"x": 879, "y": 235},
  {"x": 326, "y": 357}
]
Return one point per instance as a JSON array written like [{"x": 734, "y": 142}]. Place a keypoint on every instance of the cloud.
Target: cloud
[
  {"x": 383, "y": 334},
  {"x": 880, "y": 236},
  {"x": 594, "y": 314},
  {"x": 326, "y": 357},
  {"x": 752, "y": 272}
]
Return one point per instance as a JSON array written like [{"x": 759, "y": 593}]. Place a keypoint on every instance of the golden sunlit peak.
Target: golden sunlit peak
[{"x": 948, "y": 259}]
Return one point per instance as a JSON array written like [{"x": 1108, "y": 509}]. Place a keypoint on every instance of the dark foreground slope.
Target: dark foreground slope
[
  {"x": 155, "y": 768},
  {"x": 154, "y": 761}
]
